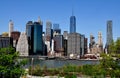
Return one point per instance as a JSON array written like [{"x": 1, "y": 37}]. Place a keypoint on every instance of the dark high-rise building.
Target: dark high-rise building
[
  {"x": 109, "y": 36},
  {"x": 37, "y": 39},
  {"x": 86, "y": 46},
  {"x": 65, "y": 47},
  {"x": 109, "y": 33},
  {"x": 6, "y": 42},
  {"x": 72, "y": 24},
  {"x": 59, "y": 44},
  {"x": 34, "y": 35},
  {"x": 29, "y": 33},
  {"x": 82, "y": 46}
]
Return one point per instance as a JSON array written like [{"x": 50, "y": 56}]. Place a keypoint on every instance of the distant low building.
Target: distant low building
[
  {"x": 5, "y": 34},
  {"x": 15, "y": 35},
  {"x": 6, "y": 42}
]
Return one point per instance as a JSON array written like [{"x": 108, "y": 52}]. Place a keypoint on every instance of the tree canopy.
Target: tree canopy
[{"x": 10, "y": 65}]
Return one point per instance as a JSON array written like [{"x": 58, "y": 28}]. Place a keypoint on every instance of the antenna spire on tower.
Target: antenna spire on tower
[{"x": 72, "y": 11}]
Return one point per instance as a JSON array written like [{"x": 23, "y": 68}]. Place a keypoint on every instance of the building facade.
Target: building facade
[
  {"x": 82, "y": 46},
  {"x": 34, "y": 33},
  {"x": 48, "y": 31},
  {"x": 15, "y": 35},
  {"x": 100, "y": 42},
  {"x": 37, "y": 39},
  {"x": 6, "y": 42},
  {"x": 29, "y": 33},
  {"x": 73, "y": 44},
  {"x": 65, "y": 34},
  {"x": 22, "y": 46},
  {"x": 109, "y": 35},
  {"x": 59, "y": 44},
  {"x": 11, "y": 27},
  {"x": 109, "y": 32}
]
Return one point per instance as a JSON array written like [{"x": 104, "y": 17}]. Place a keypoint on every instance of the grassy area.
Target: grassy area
[{"x": 72, "y": 71}]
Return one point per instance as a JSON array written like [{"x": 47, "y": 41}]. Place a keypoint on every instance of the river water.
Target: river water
[{"x": 53, "y": 63}]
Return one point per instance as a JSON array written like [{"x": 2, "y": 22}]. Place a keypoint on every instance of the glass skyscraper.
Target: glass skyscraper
[
  {"x": 34, "y": 36},
  {"x": 29, "y": 33},
  {"x": 72, "y": 24},
  {"x": 109, "y": 32},
  {"x": 37, "y": 35}
]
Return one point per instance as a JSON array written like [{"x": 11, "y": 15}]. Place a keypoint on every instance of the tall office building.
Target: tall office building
[
  {"x": 73, "y": 44},
  {"x": 11, "y": 27},
  {"x": 48, "y": 31},
  {"x": 100, "y": 42},
  {"x": 22, "y": 46},
  {"x": 37, "y": 39},
  {"x": 109, "y": 32},
  {"x": 59, "y": 44},
  {"x": 72, "y": 24},
  {"x": 34, "y": 35},
  {"x": 29, "y": 33}
]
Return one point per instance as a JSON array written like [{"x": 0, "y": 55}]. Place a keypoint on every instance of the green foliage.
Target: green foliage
[
  {"x": 10, "y": 65},
  {"x": 114, "y": 47}
]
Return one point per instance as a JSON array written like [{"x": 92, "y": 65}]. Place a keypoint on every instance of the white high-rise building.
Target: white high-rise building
[
  {"x": 100, "y": 42},
  {"x": 22, "y": 46},
  {"x": 11, "y": 27}
]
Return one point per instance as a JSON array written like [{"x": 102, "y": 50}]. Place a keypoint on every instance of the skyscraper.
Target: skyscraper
[
  {"x": 48, "y": 30},
  {"x": 73, "y": 44},
  {"x": 72, "y": 24},
  {"x": 37, "y": 39},
  {"x": 59, "y": 46},
  {"x": 109, "y": 33},
  {"x": 34, "y": 35},
  {"x": 29, "y": 33},
  {"x": 11, "y": 27},
  {"x": 100, "y": 42}
]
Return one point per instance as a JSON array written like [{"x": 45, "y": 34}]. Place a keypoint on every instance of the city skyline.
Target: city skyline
[{"x": 91, "y": 16}]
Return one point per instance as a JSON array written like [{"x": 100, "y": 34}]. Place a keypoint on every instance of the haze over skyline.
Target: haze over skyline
[{"x": 91, "y": 15}]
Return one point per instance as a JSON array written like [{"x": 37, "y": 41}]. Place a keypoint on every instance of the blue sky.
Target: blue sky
[{"x": 91, "y": 15}]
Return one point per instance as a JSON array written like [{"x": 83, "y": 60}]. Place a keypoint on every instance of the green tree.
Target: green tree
[
  {"x": 117, "y": 46},
  {"x": 109, "y": 63},
  {"x": 10, "y": 65}
]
